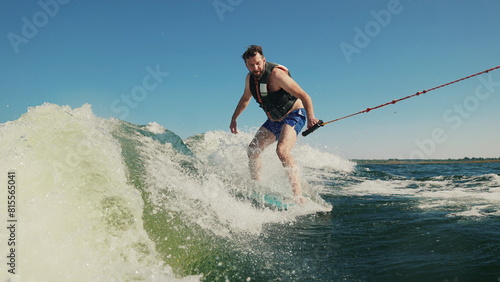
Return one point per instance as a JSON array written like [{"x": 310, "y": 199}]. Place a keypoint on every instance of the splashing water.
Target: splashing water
[{"x": 104, "y": 200}]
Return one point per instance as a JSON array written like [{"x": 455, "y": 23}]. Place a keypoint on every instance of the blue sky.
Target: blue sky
[{"x": 178, "y": 63}]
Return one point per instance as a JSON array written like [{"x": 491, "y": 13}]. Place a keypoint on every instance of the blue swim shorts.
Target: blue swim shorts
[{"x": 296, "y": 119}]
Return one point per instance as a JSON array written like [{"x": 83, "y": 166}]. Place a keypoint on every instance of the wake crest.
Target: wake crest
[{"x": 111, "y": 200}]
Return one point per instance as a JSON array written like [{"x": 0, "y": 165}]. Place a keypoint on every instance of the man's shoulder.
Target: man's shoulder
[{"x": 280, "y": 71}]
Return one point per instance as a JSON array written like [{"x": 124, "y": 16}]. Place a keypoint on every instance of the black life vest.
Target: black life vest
[{"x": 275, "y": 104}]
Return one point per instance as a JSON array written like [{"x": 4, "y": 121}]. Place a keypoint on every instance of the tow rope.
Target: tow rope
[{"x": 321, "y": 123}]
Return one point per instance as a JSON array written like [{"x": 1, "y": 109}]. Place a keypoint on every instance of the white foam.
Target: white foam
[
  {"x": 206, "y": 199},
  {"x": 78, "y": 216},
  {"x": 474, "y": 211},
  {"x": 209, "y": 198},
  {"x": 155, "y": 128},
  {"x": 478, "y": 197}
]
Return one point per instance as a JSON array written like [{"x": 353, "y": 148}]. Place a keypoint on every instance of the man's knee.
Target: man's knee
[
  {"x": 283, "y": 153},
  {"x": 253, "y": 151}
]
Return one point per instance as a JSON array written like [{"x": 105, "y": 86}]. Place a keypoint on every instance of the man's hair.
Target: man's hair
[{"x": 251, "y": 52}]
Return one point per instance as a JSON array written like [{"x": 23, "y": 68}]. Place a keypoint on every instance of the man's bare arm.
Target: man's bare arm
[
  {"x": 242, "y": 105},
  {"x": 292, "y": 87}
]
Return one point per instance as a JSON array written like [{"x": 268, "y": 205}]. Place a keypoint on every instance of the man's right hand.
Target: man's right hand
[{"x": 233, "y": 126}]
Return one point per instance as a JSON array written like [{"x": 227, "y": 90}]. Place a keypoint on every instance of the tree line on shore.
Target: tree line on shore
[{"x": 401, "y": 161}]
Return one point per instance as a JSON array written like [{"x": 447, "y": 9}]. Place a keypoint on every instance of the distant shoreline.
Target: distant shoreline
[{"x": 430, "y": 161}]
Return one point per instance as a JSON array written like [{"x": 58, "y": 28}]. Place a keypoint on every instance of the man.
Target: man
[{"x": 286, "y": 106}]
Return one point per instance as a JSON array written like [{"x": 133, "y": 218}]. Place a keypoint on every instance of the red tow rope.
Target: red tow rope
[{"x": 321, "y": 123}]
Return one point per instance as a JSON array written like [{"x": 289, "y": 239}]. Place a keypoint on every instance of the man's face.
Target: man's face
[{"x": 256, "y": 65}]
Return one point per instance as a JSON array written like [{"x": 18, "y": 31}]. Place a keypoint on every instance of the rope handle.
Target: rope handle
[{"x": 313, "y": 128}]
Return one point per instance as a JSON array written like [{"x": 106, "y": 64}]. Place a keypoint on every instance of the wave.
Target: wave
[
  {"x": 111, "y": 200},
  {"x": 77, "y": 206}
]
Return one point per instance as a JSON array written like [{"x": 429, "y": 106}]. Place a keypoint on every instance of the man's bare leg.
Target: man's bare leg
[
  {"x": 263, "y": 138},
  {"x": 287, "y": 140}
]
